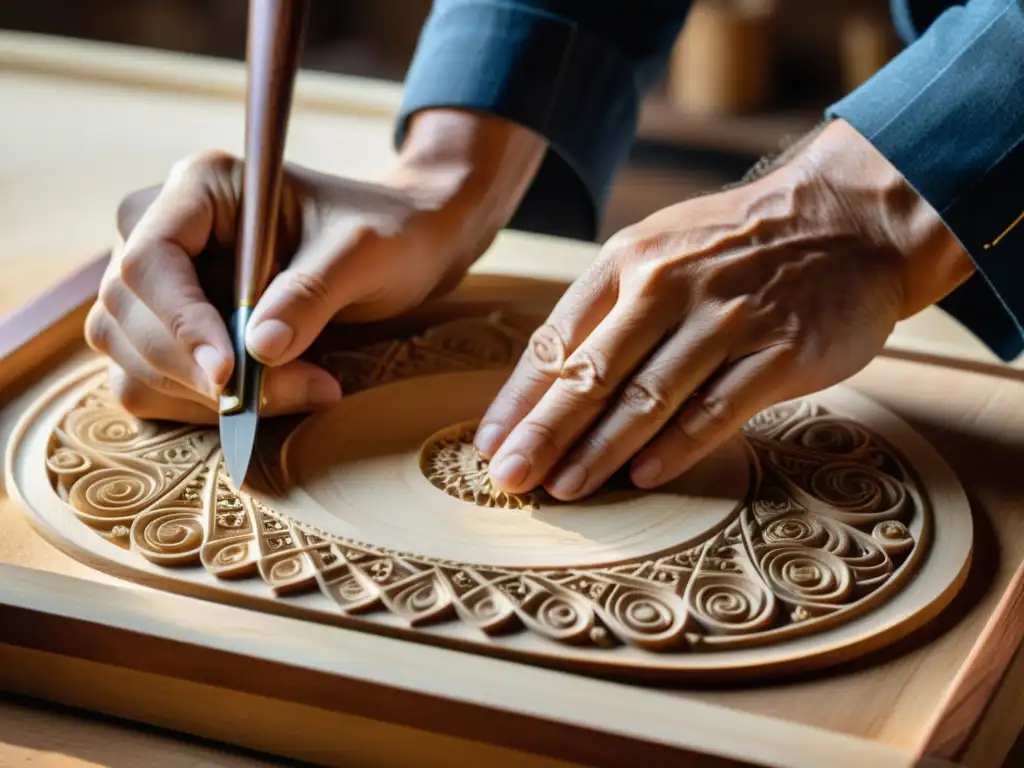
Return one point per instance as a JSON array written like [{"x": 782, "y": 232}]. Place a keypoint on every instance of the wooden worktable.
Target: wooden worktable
[{"x": 72, "y": 147}]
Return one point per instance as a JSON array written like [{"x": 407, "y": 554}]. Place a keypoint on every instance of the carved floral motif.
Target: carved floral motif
[
  {"x": 451, "y": 463},
  {"x": 825, "y": 530}
]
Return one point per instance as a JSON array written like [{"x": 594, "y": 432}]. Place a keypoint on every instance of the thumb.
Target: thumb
[{"x": 299, "y": 302}]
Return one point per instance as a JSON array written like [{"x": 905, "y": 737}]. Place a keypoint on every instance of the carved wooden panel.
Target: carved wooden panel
[{"x": 823, "y": 531}]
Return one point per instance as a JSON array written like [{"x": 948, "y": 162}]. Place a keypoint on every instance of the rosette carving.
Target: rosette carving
[
  {"x": 450, "y": 461},
  {"x": 833, "y": 518}
]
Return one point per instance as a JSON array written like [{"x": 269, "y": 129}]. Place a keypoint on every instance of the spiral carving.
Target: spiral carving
[
  {"x": 857, "y": 494},
  {"x": 807, "y": 576},
  {"x": 107, "y": 428},
  {"x": 831, "y": 511},
  {"x": 559, "y": 614},
  {"x": 286, "y": 569},
  {"x": 112, "y": 496},
  {"x": 730, "y": 604},
  {"x": 419, "y": 599},
  {"x": 171, "y": 536},
  {"x": 68, "y": 462},
  {"x": 894, "y": 537},
  {"x": 826, "y": 435},
  {"x": 645, "y": 618},
  {"x": 486, "y": 608},
  {"x": 232, "y": 554},
  {"x": 554, "y": 611}
]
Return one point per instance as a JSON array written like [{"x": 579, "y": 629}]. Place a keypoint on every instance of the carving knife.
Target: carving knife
[{"x": 273, "y": 49}]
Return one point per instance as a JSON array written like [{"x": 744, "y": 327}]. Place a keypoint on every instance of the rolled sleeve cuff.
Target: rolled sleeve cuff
[
  {"x": 948, "y": 113},
  {"x": 542, "y": 72}
]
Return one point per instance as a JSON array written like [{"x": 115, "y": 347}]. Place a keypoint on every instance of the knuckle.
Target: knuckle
[
  {"x": 129, "y": 392},
  {"x": 547, "y": 350},
  {"x": 309, "y": 287},
  {"x": 654, "y": 277},
  {"x": 621, "y": 245},
  {"x": 592, "y": 447},
  {"x": 647, "y": 396},
  {"x": 585, "y": 376},
  {"x": 202, "y": 162},
  {"x": 544, "y": 435},
  {"x": 133, "y": 267},
  {"x": 183, "y": 319},
  {"x": 685, "y": 429},
  {"x": 716, "y": 410},
  {"x": 111, "y": 295},
  {"x": 703, "y": 415},
  {"x": 97, "y": 330}
]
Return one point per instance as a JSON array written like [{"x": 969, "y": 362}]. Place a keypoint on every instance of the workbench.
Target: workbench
[{"x": 86, "y": 123}]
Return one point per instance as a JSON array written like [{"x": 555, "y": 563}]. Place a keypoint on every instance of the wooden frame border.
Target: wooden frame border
[
  {"x": 31, "y": 337},
  {"x": 37, "y": 611},
  {"x": 385, "y": 680}
]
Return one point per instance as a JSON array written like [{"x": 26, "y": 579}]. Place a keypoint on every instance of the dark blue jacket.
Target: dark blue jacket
[{"x": 948, "y": 112}]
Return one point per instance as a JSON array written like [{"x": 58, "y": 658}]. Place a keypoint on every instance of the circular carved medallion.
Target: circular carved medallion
[
  {"x": 357, "y": 471},
  {"x": 827, "y": 528}
]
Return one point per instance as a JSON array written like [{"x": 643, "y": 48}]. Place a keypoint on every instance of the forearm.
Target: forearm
[
  {"x": 948, "y": 113},
  {"x": 572, "y": 71},
  {"x": 468, "y": 169},
  {"x": 477, "y": 164}
]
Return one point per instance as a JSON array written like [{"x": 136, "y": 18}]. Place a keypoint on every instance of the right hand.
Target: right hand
[{"x": 350, "y": 251}]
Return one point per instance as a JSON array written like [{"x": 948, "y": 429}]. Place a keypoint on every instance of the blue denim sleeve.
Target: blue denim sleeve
[
  {"x": 574, "y": 71},
  {"x": 948, "y": 113}
]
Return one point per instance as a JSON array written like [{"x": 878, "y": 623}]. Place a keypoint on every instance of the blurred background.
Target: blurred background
[{"x": 747, "y": 76}]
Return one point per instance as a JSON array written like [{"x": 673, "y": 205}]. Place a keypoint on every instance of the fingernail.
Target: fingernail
[
  {"x": 210, "y": 361},
  {"x": 569, "y": 481},
  {"x": 321, "y": 392},
  {"x": 488, "y": 439},
  {"x": 647, "y": 471},
  {"x": 268, "y": 340},
  {"x": 510, "y": 471}
]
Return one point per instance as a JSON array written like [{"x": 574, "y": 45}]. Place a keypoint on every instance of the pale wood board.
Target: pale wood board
[
  {"x": 35, "y": 736},
  {"x": 388, "y": 506},
  {"x": 134, "y": 124}
]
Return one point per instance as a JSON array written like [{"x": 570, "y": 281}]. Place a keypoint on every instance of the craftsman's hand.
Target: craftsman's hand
[
  {"x": 349, "y": 250},
  {"x": 693, "y": 320}
]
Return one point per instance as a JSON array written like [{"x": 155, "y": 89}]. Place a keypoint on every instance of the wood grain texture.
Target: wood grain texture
[
  {"x": 32, "y": 334},
  {"x": 980, "y": 677},
  {"x": 814, "y": 560},
  {"x": 34, "y": 734},
  {"x": 137, "y": 111},
  {"x": 434, "y": 690}
]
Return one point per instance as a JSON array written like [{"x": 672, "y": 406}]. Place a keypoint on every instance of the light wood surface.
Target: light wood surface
[
  {"x": 33, "y": 735},
  {"x": 135, "y": 115},
  {"x": 728, "y": 589}
]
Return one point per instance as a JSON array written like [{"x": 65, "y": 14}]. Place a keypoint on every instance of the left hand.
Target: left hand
[{"x": 690, "y": 322}]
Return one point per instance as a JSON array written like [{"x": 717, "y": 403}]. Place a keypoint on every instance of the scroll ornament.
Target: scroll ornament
[{"x": 825, "y": 532}]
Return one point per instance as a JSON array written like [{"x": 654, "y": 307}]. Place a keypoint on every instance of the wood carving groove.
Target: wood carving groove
[{"x": 834, "y": 524}]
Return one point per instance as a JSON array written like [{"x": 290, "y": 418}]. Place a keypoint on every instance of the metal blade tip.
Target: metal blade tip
[{"x": 237, "y": 439}]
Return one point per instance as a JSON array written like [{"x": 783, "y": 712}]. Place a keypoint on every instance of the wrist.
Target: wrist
[
  {"x": 467, "y": 172},
  {"x": 887, "y": 211}
]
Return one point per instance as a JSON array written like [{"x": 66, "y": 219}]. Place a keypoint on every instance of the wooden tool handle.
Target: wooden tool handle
[{"x": 274, "y": 46}]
